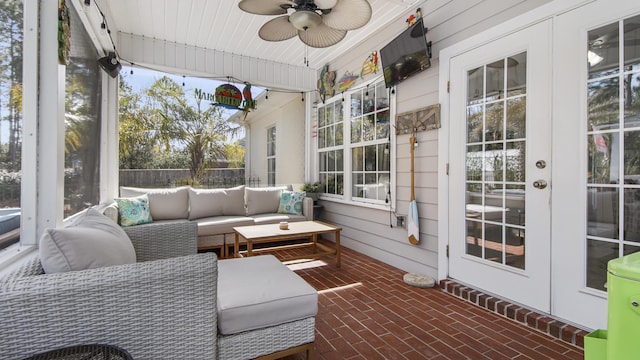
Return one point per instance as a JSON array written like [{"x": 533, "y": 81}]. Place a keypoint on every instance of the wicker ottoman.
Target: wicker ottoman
[{"x": 263, "y": 309}]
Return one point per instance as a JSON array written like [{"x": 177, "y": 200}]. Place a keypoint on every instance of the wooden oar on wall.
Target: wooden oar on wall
[{"x": 412, "y": 218}]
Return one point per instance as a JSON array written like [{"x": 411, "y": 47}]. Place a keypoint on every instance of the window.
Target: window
[
  {"x": 82, "y": 122},
  {"x": 370, "y": 138},
  {"x": 330, "y": 148},
  {"x": 271, "y": 156},
  {"x": 11, "y": 13},
  {"x": 366, "y": 176}
]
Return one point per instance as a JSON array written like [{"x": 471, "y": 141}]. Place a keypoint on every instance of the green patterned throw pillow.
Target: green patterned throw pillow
[
  {"x": 291, "y": 202},
  {"x": 134, "y": 211}
]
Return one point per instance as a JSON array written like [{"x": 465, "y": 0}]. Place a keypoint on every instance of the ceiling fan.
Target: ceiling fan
[{"x": 318, "y": 23}]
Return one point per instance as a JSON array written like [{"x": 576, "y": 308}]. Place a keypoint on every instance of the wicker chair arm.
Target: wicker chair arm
[
  {"x": 164, "y": 309},
  {"x": 161, "y": 240}
]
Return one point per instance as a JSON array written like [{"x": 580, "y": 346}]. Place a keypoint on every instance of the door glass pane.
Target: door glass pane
[
  {"x": 495, "y": 80},
  {"x": 602, "y": 212},
  {"x": 516, "y": 118},
  {"x": 632, "y": 42},
  {"x": 475, "y": 86},
  {"x": 495, "y": 163},
  {"x": 474, "y": 124},
  {"x": 613, "y": 152},
  {"x": 474, "y": 162},
  {"x": 604, "y": 51},
  {"x": 517, "y": 75},
  {"x": 632, "y": 215},
  {"x": 516, "y": 162},
  {"x": 604, "y": 104},
  {"x": 494, "y": 122},
  {"x": 603, "y": 148},
  {"x": 598, "y": 255}
]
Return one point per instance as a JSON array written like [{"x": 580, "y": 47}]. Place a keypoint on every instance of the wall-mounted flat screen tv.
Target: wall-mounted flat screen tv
[{"x": 405, "y": 55}]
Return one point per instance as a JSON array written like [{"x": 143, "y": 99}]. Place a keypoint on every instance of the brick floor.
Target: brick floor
[{"x": 366, "y": 311}]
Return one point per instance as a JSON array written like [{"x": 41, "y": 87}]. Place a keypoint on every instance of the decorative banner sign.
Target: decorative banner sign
[{"x": 228, "y": 96}]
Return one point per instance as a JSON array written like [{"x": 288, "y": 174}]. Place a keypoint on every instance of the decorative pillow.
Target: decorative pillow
[
  {"x": 93, "y": 241},
  {"x": 291, "y": 202},
  {"x": 165, "y": 204},
  {"x": 134, "y": 211},
  {"x": 263, "y": 200}
]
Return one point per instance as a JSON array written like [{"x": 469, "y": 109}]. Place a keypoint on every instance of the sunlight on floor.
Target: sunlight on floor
[
  {"x": 302, "y": 264},
  {"x": 340, "y": 288}
]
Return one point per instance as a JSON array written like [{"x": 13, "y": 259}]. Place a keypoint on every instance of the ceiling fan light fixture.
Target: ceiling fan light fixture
[{"x": 305, "y": 19}]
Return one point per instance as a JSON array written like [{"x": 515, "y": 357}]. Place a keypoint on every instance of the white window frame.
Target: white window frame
[
  {"x": 271, "y": 157},
  {"x": 347, "y": 147}
]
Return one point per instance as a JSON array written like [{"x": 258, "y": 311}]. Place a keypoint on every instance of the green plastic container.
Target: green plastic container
[
  {"x": 623, "y": 286},
  {"x": 595, "y": 345}
]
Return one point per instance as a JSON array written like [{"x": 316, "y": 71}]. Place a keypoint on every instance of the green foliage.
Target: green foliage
[
  {"x": 235, "y": 155},
  {"x": 173, "y": 160},
  {"x": 159, "y": 127},
  {"x": 311, "y": 187}
]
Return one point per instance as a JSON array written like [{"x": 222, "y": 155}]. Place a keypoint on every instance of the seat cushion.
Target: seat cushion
[
  {"x": 258, "y": 292},
  {"x": 221, "y": 224}
]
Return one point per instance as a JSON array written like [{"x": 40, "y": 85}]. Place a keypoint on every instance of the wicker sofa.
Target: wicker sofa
[
  {"x": 165, "y": 306},
  {"x": 216, "y": 211}
]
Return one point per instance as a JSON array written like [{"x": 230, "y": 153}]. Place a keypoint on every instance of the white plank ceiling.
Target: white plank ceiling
[{"x": 220, "y": 25}]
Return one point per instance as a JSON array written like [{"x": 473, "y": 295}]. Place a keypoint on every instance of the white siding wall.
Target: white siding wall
[
  {"x": 288, "y": 118},
  {"x": 368, "y": 230}
]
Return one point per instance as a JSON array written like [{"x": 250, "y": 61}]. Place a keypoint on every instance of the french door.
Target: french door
[
  {"x": 544, "y": 151},
  {"x": 596, "y": 189},
  {"x": 500, "y": 155}
]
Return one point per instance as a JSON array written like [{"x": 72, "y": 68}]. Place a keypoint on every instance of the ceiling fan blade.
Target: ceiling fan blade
[
  {"x": 325, "y": 4},
  {"x": 264, "y": 7},
  {"x": 277, "y": 29},
  {"x": 321, "y": 36},
  {"x": 348, "y": 15}
]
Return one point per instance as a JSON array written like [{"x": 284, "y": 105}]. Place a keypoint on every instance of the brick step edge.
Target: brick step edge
[{"x": 544, "y": 323}]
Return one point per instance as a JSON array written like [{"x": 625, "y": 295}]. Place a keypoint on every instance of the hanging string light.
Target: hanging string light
[
  {"x": 183, "y": 77},
  {"x": 302, "y": 94},
  {"x": 266, "y": 97},
  {"x": 131, "y": 72}
]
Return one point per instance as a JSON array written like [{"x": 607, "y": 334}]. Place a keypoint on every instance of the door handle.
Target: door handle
[{"x": 540, "y": 184}]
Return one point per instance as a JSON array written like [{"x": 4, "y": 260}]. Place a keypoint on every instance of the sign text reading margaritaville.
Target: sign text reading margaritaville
[{"x": 201, "y": 95}]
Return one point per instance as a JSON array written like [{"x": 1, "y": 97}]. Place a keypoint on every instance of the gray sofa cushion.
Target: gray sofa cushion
[
  {"x": 263, "y": 200},
  {"x": 92, "y": 241},
  {"x": 258, "y": 292},
  {"x": 221, "y": 224},
  {"x": 216, "y": 202},
  {"x": 165, "y": 204}
]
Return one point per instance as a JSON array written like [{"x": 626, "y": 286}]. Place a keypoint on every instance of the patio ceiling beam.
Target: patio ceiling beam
[{"x": 208, "y": 63}]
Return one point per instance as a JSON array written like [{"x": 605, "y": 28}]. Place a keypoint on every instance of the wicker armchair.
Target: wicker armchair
[{"x": 164, "y": 306}]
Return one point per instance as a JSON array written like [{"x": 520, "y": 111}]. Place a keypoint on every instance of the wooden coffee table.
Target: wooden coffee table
[{"x": 258, "y": 234}]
